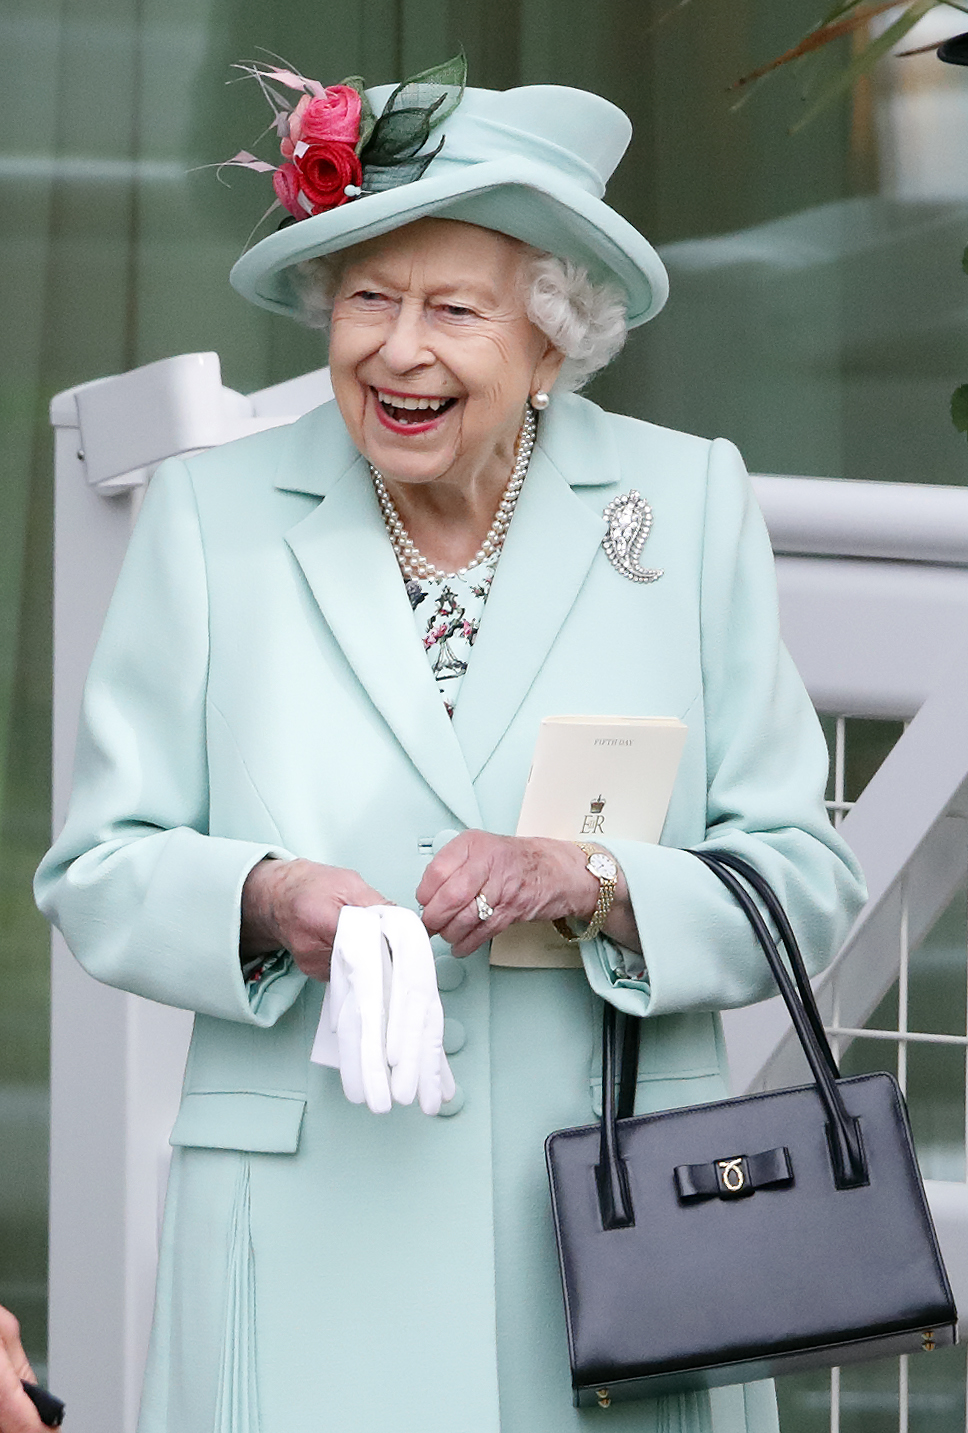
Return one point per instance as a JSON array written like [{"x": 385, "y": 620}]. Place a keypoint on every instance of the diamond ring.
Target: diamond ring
[{"x": 484, "y": 911}]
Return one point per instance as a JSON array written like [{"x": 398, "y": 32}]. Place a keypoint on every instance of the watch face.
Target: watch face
[{"x": 602, "y": 866}]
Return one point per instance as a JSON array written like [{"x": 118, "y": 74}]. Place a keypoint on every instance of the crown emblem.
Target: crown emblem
[{"x": 597, "y": 805}]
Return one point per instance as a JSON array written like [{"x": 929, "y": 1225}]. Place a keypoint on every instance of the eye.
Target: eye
[{"x": 457, "y": 311}]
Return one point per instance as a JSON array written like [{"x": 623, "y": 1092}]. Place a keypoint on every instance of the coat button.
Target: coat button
[
  {"x": 450, "y": 972},
  {"x": 442, "y": 839},
  {"x": 455, "y": 1036},
  {"x": 454, "y": 1106}
]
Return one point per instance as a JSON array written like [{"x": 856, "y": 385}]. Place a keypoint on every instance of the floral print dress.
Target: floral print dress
[{"x": 448, "y": 612}]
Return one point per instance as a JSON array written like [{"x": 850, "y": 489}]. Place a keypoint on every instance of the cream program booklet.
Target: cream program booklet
[{"x": 591, "y": 778}]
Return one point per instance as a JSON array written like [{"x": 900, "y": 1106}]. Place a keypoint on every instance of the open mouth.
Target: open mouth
[{"x": 412, "y": 409}]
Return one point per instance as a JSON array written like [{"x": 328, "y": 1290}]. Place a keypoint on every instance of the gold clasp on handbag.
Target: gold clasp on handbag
[
  {"x": 604, "y": 1399},
  {"x": 732, "y": 1174},
  {"x": 928, "y": 1344}
]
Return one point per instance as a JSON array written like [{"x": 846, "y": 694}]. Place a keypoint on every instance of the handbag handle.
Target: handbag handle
[
  {"x": 850, "y": 1168},
  {"x": 847, "y": 1157},
  {"x": 769, "y": 898}
]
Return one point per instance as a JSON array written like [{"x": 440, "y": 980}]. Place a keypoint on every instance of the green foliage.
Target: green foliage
[
  {"x": 863, "y": 63},
  {"x": 391, "y": 155},
  {"x": 848, "y": 18},
  {"x": 367, "y": 117}
]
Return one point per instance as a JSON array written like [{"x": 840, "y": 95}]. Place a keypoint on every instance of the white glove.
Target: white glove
[
  {"x": 415, "y": 1023},
  {"x": 352, "y": 1026},
  {"x": 382, "y": 1012}
]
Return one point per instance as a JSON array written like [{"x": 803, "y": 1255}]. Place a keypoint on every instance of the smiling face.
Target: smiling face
[{"x": 432, "y": 356}]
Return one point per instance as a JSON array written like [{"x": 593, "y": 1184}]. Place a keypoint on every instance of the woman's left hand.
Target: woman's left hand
[{"x": 520, "y": 878}]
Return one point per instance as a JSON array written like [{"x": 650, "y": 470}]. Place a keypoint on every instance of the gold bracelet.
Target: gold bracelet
[{"x": 603, "y": 867}]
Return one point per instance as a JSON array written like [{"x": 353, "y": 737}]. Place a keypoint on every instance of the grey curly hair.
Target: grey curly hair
[{"x": 583, "y": 318}]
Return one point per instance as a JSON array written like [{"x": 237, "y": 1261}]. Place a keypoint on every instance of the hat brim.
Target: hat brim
[{"x": 525, "y": 200}]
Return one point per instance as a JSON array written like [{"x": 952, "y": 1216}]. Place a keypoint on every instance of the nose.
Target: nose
[{"x": 405, "y": 346}]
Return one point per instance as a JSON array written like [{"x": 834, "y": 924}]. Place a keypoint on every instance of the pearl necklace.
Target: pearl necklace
[{"x": 412, "y": 561}]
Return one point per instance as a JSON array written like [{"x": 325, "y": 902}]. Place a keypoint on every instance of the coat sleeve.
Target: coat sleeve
[
  {"x": 766, "y": 764},
  {"x": 146, "y": 899}
]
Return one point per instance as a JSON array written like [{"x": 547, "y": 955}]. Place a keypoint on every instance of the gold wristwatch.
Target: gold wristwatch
[{"x": 604, "y": 868}]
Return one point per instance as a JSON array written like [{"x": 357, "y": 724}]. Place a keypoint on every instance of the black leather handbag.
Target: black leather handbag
[{"x": 728, "y": 1242}]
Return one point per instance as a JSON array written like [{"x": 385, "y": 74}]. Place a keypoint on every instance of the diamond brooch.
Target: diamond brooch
[{"x": 629, "y": 519}]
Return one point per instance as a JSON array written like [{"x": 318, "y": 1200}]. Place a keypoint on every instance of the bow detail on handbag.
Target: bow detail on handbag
[{"x": 736, "y": 1177}]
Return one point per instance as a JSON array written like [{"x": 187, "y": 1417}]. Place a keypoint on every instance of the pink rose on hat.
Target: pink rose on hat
[
  {"x": 321, "y": 154},
  {"x": 333, "y": 115}
]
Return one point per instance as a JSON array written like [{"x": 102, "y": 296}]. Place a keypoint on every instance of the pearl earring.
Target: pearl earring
[{"x": 540, "y": 399}]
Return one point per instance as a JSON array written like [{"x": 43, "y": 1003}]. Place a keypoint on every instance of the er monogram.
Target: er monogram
[{"x": 594, "y": 823}]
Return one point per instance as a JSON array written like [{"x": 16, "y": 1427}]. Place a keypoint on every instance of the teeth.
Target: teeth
[{"x": 413, "y": 403}]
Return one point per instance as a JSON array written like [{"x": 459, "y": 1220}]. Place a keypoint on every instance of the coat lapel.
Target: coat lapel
[
  {"x": 551, "y": 544},
  {"x": 344, "y": 554}
]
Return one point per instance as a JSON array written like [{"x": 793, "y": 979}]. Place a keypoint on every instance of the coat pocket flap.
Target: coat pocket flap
[{"x": 249, "y": 1120}]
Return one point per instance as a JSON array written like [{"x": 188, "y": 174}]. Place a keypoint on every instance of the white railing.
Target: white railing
[
  {"x": 874, "y": 606},
  {"x": 894, "y": 575}
]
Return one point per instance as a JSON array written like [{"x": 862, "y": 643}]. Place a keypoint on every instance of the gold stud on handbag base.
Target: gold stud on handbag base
[
  {"x": 603, "y": 1399},
  {"x": 928, "y": 1344}
]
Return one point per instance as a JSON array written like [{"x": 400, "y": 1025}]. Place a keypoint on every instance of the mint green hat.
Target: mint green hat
[{"x": 529, "y": 162}]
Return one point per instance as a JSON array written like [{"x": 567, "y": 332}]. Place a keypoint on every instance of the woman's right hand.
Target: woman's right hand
[
  {"x": 294, "y": 906},
  {"x": 17, "y": 1413}
]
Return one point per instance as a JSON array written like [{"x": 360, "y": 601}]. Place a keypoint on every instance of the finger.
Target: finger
[
  {"x": 405, "y": 1068},
  {"x": 432, "y": 1061},
  {"x": 348, "y": 1036},
  {"x": 413, "y": 972},
  {"x": 355, "y": 929},
  {"x": 447, "y": 860},
  {"x": 17, "y": 1413},
  {"x": 448, "y": 1085},
  {"x": 458, "y": 894},
  {"x": 347, "y": 935},
  {"x": 10, "y": 1345},
  {"x": 413, "y": 990},
  {"x": 362, "y": 947},
  {"x": 376, "y": 1083},
  {"x": 467, "y": 932}
]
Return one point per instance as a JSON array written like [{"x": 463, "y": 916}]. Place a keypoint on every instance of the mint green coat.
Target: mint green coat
[{"x": 259, "y": 687}]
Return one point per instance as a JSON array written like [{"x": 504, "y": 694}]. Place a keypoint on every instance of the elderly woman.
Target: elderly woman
[{"x": 319, "y": 687}]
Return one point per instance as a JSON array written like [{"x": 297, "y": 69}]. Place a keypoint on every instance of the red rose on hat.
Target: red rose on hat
[{"x": 325, "y": 171}]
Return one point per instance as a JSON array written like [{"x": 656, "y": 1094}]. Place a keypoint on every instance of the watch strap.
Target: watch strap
[{"x": 606, "y": 895}]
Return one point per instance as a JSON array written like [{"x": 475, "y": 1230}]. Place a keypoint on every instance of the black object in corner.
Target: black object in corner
[{"x": 50, "y": 1410}]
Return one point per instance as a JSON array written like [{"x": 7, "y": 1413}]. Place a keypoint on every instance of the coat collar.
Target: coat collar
[
  {"x": 316, "y": 453},
  {"x": 344, "y": 554}
]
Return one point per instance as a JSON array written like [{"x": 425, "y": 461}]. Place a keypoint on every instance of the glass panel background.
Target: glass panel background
[{"x": 817, "y": 315}]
